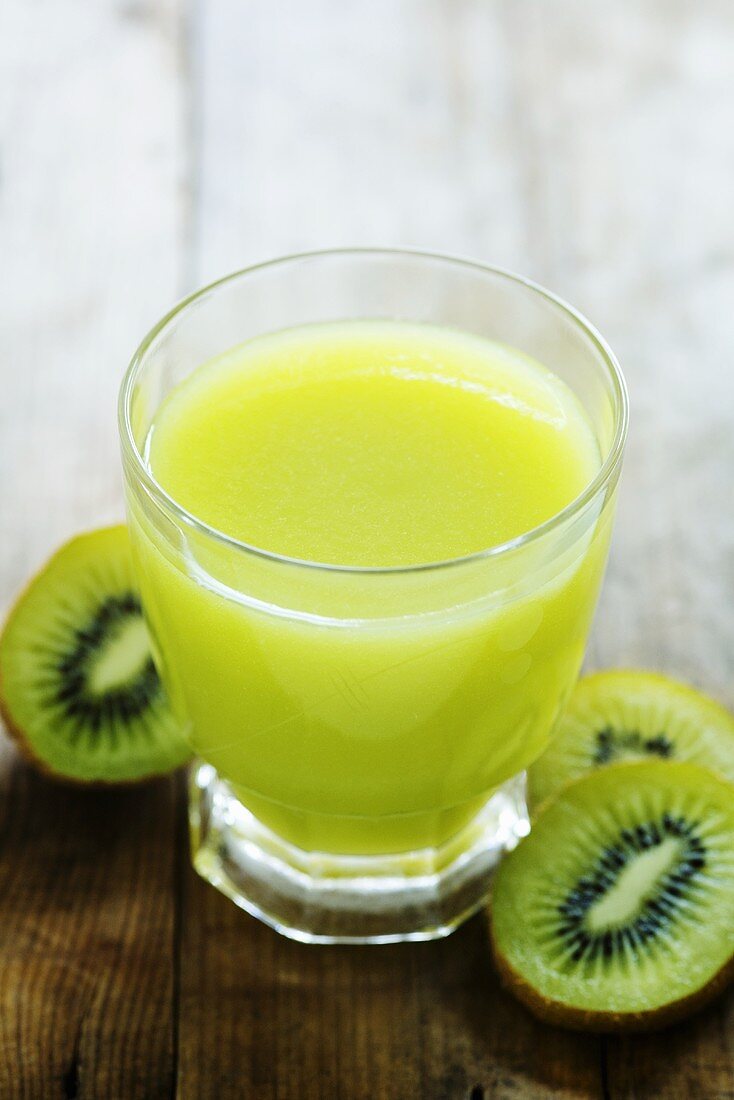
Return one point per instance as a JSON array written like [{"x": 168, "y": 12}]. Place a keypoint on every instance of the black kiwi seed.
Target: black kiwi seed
[
  {"x": 126, "y": 701},
  {"x": 79, "y": 691},
  {"x": 610, "y": 744},
  {"x": 656, "y": 913},
  {"x": 615, "y": 912},
  {"x": 623, "y": 715}
]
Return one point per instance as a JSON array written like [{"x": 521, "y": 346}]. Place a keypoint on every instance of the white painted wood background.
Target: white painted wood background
[{"x": 149, "y": 145}]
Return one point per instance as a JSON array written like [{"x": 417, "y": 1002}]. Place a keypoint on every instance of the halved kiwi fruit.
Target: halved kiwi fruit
[
  {"x": 78, "y": 687},
  {"x": 616, "y": 913},
  {"x": 623, "y": 715}
]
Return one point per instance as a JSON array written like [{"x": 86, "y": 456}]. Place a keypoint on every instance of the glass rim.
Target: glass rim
[{"x": 170, "y": 505}]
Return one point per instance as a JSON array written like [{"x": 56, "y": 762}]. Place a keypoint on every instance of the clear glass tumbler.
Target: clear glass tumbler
[{"x": 361, "y": 734}]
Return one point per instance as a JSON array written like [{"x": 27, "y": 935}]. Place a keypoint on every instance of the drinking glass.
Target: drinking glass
[{"x": 361, "y": 733}]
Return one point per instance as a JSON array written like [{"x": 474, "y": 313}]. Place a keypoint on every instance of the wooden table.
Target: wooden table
[{"x": 148, "y": 145}]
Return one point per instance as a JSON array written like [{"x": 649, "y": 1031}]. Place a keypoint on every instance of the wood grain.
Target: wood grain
[
  {"x": 91, "y": 237},
  {"x": 148, "y": 145},
  {"x": 92, "y": 211},
  {"x": 419, "y": 1020},
  {"x": 87, "y": 939}
]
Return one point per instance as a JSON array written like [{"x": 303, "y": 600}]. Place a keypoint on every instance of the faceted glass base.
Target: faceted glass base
[{"x": 317, "y": 897}]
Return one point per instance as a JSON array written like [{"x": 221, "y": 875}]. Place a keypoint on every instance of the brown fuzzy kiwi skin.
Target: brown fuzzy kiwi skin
[
  {"x": 580, "y": 1019},
  {"x": 17, "y": 735}
]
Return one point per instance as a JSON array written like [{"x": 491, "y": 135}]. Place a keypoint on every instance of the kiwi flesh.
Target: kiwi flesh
[
  {"x": 616, "y": 912},
  {"x": 79, "y": 690},
  {"x": 624, "y": 715}
]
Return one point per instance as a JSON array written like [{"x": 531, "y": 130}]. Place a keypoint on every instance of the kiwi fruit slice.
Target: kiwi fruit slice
[
  {"x": 79, "y": 691},
  {"x": 616, "y": 912},
  {"x": 623, "y": 715}
]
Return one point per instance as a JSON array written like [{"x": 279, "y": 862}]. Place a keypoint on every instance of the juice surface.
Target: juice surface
[
  {"x": 369, "y": 713},
  {"x": 374, "y": 444}
]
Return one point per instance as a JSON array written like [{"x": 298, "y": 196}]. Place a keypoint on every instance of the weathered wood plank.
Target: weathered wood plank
[
  {"x": 91, "y": 125},
  {"x": 86, "y": 939},
  {"x": 592, "y": 149},
  {"x": 322, "y": 125},
  {"x": 638, "y": 155},
  {"x": 419, "y": 1020},
  {"x": 693, "y": 1059},
  {"x": 328, "y": 124},
  {"x": 91, "y": 236},
  {"x": 589, "y": 146}
]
